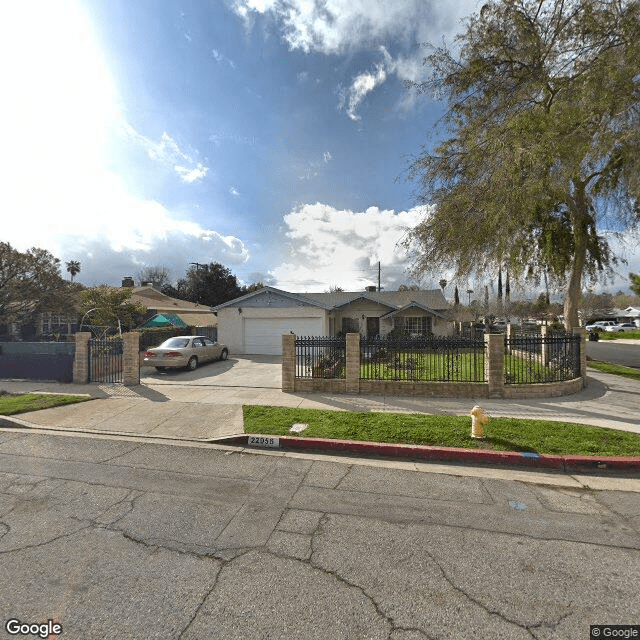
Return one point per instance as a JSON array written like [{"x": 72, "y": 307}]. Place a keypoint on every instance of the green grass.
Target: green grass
[
  {"x": 606, "y": 335},
  {"x": 11, "y": 404},
  {"x": 616, "y": 369},
  {"x": 522, "y": 370},
  {"x": 427, "y": 367},
  {"x": 502, "y": 434}
]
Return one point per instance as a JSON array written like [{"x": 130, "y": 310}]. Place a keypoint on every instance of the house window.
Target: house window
[
  {"x": 350, "y": 325},
  {"x": 413, "y": 324}
]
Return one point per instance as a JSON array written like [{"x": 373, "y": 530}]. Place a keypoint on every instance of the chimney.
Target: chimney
[{"x": 127, "y": 281}]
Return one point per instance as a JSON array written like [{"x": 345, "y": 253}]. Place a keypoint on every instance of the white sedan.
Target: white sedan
[
  {"x": 185, "y": 351},
  {"x": 625, "y": 326}
]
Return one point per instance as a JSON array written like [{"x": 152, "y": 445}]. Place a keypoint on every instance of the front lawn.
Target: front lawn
[
  {"x": 10, "y": 404},
  {"x": 502, "y": 434},
  {"x": 426, "y": 367},
  {"x": 616, "y": 369},
  {"x": 611, "y": 335}
]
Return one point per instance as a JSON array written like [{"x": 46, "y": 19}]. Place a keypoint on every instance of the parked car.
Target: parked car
[
  {"x": 185, "y": 351},
  {"x": 625, "y": 326},
  {"x": 601, "y": 325}
]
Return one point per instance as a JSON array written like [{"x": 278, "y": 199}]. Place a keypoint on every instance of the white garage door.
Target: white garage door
[{"x": 264, "y": 335}]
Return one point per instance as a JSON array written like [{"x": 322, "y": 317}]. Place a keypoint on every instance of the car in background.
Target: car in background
[
  {"x": 624, "y": 326},
  {"x": 185, "y": 351},
  {"x": 601, "y": 325}
]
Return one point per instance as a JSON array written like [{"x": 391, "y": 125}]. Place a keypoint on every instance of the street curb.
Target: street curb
[{"x": 568, "y": 464}]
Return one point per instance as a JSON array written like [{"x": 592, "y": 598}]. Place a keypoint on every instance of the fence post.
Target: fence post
[
  {"x": 544, "y": 346},
  {"x": 494, "y": 364},
  {"x": 583, "y": 353},
  {"x": 353, "y": 363},
  {"x": 288, "y": 362},
  {"x": 81, "y": 358},
  {"x": 131, "y": 359}
]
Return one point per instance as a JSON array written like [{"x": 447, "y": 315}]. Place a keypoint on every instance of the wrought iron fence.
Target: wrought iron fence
[
  {"x": 320, "y": 357},
  {"x": 430, "y": 359},
  {"x": 105, "y": 360},
  {"x": 531, "y": 359}
]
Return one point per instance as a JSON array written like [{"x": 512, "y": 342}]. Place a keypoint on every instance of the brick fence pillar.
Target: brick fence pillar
[
  {"x": 81, "y": 358},
  {"x": 494, "y": 364},
  {"x": 288, "y": 362},
  {"x": 353, "y": 363},
  {"x": 131, "y": 359},
  {"x": 583, "y": 353}
]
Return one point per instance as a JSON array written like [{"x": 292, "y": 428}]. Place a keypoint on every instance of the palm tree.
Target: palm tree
[
  {"x": 443, "y": 284},
  {"x": 73, "y": 267}
]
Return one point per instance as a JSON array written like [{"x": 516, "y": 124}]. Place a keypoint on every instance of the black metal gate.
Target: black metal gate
[{"x": 105, "y": 360}]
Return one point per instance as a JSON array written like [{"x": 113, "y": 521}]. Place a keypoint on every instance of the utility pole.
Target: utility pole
[{"x": 378, "y": 275}]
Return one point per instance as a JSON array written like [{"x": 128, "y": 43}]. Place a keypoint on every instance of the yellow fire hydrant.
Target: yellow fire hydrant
[{"x": 478, "y": 422}]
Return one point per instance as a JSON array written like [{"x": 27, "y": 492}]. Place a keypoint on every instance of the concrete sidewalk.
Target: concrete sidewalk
[{"x": 188, "y": 412}]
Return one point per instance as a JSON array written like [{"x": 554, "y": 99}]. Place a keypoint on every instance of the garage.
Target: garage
[{"x": 264, "y": 335}]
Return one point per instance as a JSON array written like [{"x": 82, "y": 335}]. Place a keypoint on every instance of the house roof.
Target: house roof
[
  {"x": 432, "y": 300},
  {"x": 154, "y": 299},
  {"x": 414, "y": 305},
  {"x": 298, "y": 297}
]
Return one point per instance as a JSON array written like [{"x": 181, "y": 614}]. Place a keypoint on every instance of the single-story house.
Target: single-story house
[
  {"x": 181, "y": 311},
  {"x": 630, "y": 314},
  {"x": 255, "y": 323}
]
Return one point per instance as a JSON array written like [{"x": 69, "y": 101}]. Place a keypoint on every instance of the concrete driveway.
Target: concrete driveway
[{"x": 238, "y": 371}]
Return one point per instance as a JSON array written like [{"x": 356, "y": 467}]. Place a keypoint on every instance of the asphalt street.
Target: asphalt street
[
  {"x": 625, "y": 354},
  {"x": 115, "y": 538}
]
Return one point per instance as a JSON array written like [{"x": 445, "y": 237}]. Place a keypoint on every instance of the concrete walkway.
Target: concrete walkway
[{"x": 206, "y": 412}]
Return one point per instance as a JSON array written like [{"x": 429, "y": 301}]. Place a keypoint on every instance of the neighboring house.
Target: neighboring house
[
  {"x": 630, "y": 314},
  {"x": 173, "y": 310},
  {"x": 255, "y": 323}
]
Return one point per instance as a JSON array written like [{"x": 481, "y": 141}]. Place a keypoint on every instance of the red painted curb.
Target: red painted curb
[{"x": 450, "y": 454}]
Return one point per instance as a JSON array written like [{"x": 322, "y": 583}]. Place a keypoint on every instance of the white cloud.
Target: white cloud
[
  {"x": 333, "y": 27},
  {"x": 339, "y": 26},
  {"x": 60, "y": 116},
  {"x": 362, "y": 85},
  {"x": 337, "y": 247},
  {"x": 221, "y": 58},
  {"x": 192, "y": 175},
  {"x": 168, "y": 153},
  {"x": 311, "y": 169}
]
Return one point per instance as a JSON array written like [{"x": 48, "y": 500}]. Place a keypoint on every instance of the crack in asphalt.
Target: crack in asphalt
[
  {"x": 44, "y": 543},
  {"x": 119, "y": 455},
  {"x": 485, "y": 607}
]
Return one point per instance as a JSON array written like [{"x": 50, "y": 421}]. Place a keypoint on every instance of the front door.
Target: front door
[{"x": 373, "y": 327}]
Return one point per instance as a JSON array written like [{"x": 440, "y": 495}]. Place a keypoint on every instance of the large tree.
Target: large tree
[
  {"x": 635, "y": 283},
  {"x": 540, "y": 160},
  {"x": 30, "y": 282},
  {"x": 159, "y": 277},
  {"x": 110, "y": 307},
  {"x": 209, "y": 284},
  {"x": 73, "y": 267}
]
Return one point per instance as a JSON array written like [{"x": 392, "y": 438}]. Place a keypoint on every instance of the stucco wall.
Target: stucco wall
[{"x": 372, "y": 309}]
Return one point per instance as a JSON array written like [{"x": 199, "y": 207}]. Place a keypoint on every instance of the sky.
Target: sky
[{"x": 272, "y": 136}]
